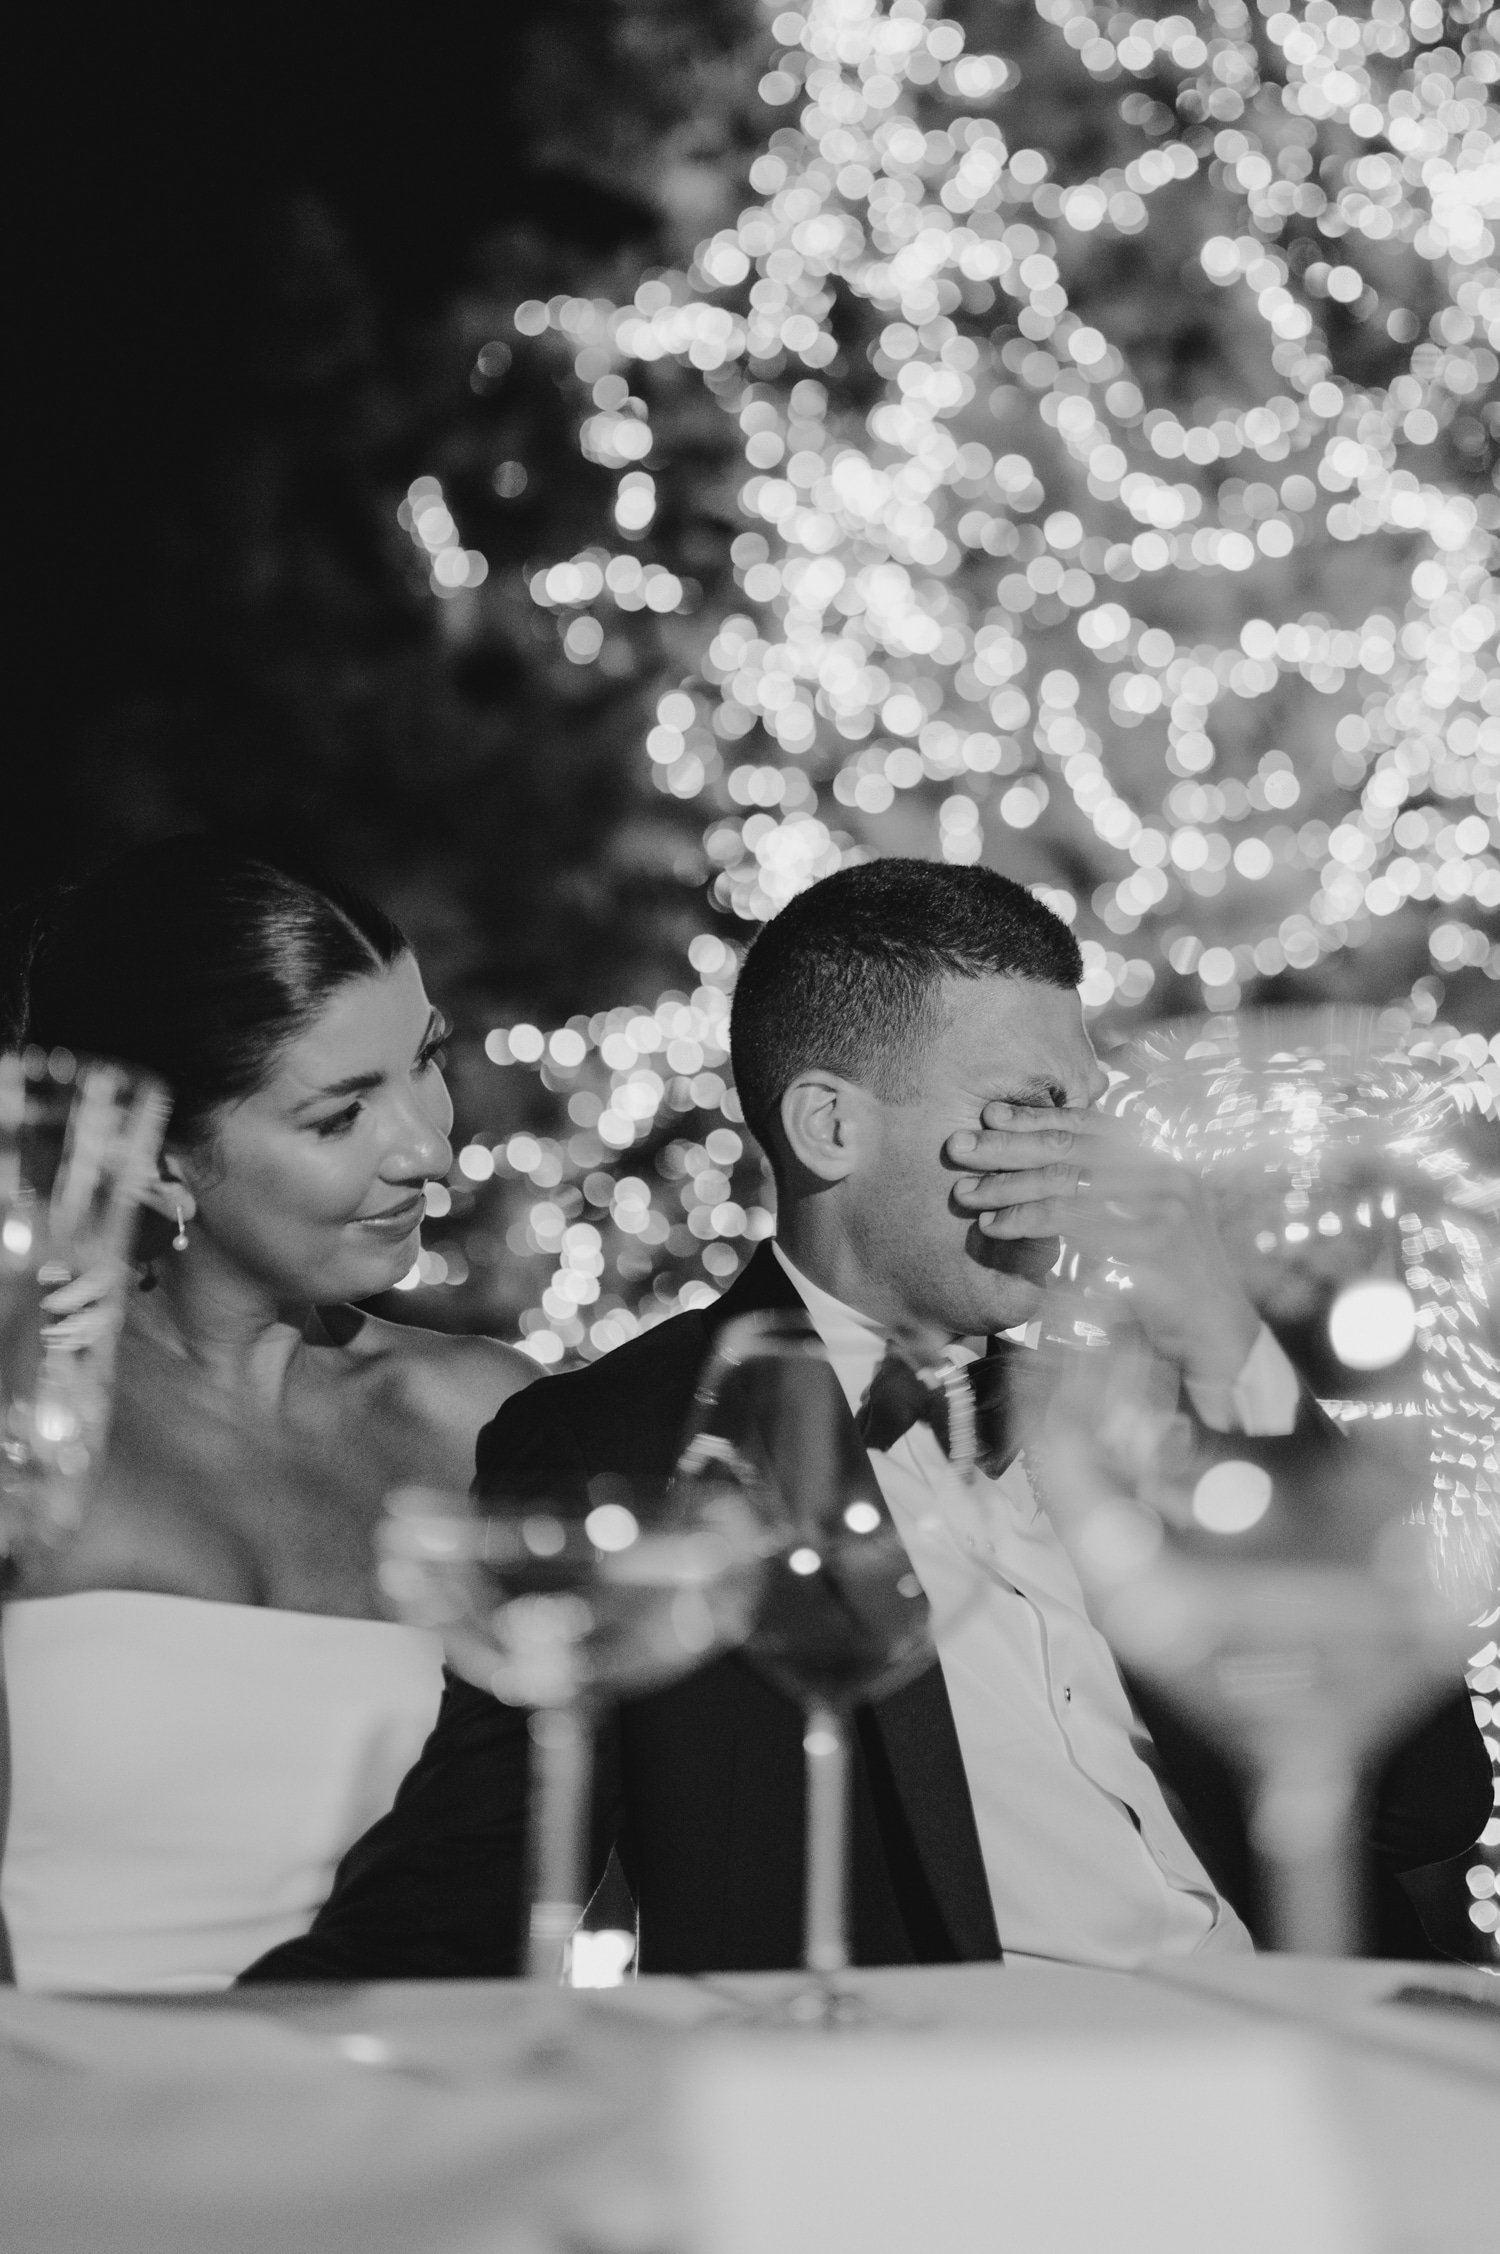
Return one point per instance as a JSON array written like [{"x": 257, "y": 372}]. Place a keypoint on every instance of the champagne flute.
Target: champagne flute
[
  {"x": 1300, "y": 1597},
  {"x": 77, "y": 1142},
  {"x": 562, "y": 1603},
  {"x": 840, "y": 1615}
]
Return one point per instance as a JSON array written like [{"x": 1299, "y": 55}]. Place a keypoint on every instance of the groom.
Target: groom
[{"x": 910, "y": 1052}]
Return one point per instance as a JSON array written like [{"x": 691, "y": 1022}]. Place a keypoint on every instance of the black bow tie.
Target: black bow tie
[{"x": 898, "y": 1399}]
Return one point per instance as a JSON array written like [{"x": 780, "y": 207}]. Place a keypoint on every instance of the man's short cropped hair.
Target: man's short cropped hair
[{"x": 847, "y": 976}]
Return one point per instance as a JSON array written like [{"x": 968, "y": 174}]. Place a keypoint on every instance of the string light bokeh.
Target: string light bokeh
[{"x": 1212, "y": 666}]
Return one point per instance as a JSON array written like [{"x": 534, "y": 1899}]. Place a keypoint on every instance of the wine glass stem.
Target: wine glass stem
[
  {"x": 7, "y": 1961},
  {"x": 561, "y": 1773},
  {"x": 826, "y": 1744},
  {"x": 1302, "y": 1834}
]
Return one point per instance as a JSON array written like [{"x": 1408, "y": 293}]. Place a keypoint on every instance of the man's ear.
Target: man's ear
[{"x": 828, "y": 1124}]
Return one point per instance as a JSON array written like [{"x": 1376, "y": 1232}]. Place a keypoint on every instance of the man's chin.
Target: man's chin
[
  {"x": 1010, "y": 1283},
  {"x": 1023, "y": 1260},
  {"x": 1037, "y": 1257},
  {"x": 1021, "y": 1302}
]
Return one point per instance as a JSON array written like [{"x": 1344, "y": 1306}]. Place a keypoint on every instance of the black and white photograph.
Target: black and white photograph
[{"x": 750, "y": 1131}]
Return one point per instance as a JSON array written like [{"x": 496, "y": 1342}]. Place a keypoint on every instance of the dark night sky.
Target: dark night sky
[{"x": 163, "y": 138}]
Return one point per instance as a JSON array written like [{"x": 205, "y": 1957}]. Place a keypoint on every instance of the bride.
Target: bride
[{"x": 206, "y": 1706}]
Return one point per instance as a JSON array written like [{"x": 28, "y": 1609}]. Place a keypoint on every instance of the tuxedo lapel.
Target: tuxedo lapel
[
  {"x": 761, "y": 1287},
  {"x": 914, "y": 1730},
  {"x": 909, "y": 1739}
]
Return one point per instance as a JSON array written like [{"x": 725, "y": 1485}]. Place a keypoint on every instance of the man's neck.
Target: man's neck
[{"x": 827, "y": 1258}]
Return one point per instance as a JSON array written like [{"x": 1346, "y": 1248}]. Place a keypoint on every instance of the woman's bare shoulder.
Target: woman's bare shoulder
[
  {"x": 444, "y": 1375},
  {"x": 465, "y": 1360}
]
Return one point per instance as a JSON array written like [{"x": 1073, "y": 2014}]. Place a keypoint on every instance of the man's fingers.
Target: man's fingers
[
  {"x": 1118, "y": 1173},
  {"x": 1045, "y": 1119},
  {"x": 1024, "y": 1135},
  {"x": 1039, "y": 1217},
  {"x": 985, "y": 1192},
  {"x": 996, "y": 1150}
]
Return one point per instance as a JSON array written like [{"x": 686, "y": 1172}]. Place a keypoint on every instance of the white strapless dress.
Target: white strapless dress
[{"x": 186, "y": 1775}]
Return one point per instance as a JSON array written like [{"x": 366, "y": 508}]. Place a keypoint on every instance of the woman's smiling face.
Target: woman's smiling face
[{"x": 312, "y": 1185}]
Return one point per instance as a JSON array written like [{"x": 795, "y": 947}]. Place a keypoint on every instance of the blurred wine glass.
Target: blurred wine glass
[
  {"x": 1304, "y": 1596},
  {"x": 78, "y": 1138},
  {"x": 562, "y": 1603},
  {"x": 840, "y": 1616}
]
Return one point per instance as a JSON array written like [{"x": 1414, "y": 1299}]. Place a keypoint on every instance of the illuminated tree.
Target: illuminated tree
[
  {"x": 1111, "y": 499},
  {"x": 1112, "y": 408}
]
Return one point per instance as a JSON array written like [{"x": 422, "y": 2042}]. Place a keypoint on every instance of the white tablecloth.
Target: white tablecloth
[{"x": 506, "y": 2119}]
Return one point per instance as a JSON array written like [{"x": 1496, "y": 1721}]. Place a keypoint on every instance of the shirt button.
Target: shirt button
[{"x": 1068, "y": 1693}]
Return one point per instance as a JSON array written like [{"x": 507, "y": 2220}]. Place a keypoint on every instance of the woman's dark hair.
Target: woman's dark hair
[{"x": 198, "y": 961}]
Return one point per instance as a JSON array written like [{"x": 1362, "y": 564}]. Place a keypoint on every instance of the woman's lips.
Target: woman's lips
[{"x": 396, "y": 1220}]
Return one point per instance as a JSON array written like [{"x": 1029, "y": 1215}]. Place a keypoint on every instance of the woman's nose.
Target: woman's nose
[{"x": 420, "y": 1148}]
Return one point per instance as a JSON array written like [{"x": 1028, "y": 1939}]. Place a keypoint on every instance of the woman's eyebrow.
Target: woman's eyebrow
[{"x": 358, "y": 1084}]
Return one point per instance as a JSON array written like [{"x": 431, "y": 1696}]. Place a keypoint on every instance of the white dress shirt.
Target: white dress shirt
[{"x": 1084, "y": 1859}]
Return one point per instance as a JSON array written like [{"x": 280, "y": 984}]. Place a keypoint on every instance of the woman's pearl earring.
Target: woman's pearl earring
[{"x": 179, "y": 1242}]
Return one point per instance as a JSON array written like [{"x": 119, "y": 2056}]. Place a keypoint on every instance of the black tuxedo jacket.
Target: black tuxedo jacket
[{"x": 699, "y": 1787}]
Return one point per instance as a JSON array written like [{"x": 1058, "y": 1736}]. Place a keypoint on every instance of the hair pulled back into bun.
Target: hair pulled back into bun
[{"x": 199, "y": 961}]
